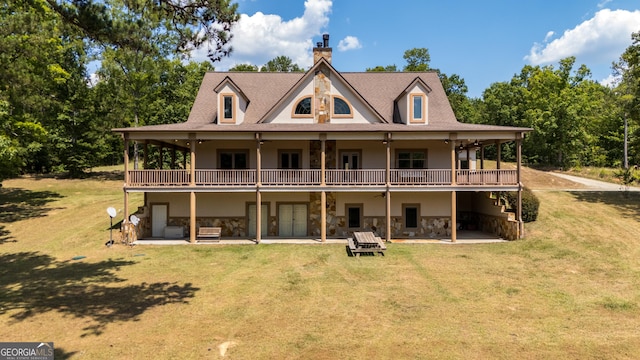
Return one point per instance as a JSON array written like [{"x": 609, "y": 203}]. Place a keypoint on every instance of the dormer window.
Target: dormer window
[
  {"x": 341, "y": 108},
  {"x": 418, "y": 108},
  {"x": 228, "y": 106},
  {"x": 303, "y": 108}
]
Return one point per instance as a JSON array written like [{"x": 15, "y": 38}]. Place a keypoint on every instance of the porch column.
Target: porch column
[
  {"x": 192, "y": 160},
  {"x": 192, "y": 182},
  {"x": 481, "y": 157},
  {"x": 323, "y": 216},
  {"x": 258, "y": 216},
  {"x": 519, "y": 161},
  {"x": 468, "y": 158},
  {"x": 499, "y": 156},
  {"x": 452, "y": 145},
  {"x": 126, "y": 159},
  {"x": 145, "y": 154},
  {"x": 126, "y": 176},
  {"x": 258, "y": 194},
  {"x": 454, "y": 219},
  {"x": 387, "y": 181},
  {"x": 323, "y": 145},
  {"x": 323, "y": 194},
  {"x": 192, "y": 217}
]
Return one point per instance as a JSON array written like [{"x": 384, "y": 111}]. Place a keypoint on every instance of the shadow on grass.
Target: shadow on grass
[
  {"x": 62, "y": 354},
  {"x": 19, "y": 204},
  {"x": 5, "y": 235},
  {"x": 33, "y": 283},
  {"x": 628, "y": 202}
]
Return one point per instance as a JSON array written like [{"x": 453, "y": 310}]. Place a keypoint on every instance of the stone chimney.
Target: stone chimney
[{"x": 322, "y": 50}]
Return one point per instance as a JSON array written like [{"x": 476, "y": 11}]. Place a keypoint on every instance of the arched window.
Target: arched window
[
  {"x": 303, "y": 107},
  {"x": 341, "y": 107}
]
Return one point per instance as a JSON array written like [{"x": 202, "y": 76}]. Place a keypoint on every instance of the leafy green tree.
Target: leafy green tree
[
  {"x": 244, "y": 67},
  {"x": 191, "y": 23},
  {"x": 379, "y": 68},
  {"x": 281, "y": 64},
  {"x": 417, "y": 59},
  {"x": 628, "y": 91}
]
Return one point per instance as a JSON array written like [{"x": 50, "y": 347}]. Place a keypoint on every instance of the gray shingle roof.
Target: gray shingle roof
[{"x": 266, "y": 89}]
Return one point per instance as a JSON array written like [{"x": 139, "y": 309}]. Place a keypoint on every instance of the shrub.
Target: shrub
[{"x": 530, "y": 203}]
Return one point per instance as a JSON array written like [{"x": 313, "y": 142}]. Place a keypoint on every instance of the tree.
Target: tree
[
  {"x": 244, "y": 67},
  {"x": 191, "y": 23},
  {"x": 628, "y": 90},
  {"x": 281, "y": 64},
  {"x": 379, "y": 68},
  {"x": 417, "y": 59}
]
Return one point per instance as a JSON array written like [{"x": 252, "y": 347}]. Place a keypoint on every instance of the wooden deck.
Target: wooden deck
[{"x": 313, "y": 177}]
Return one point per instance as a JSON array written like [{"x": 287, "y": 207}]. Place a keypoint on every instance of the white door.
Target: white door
[
  {"x": 158, "y": 220},
  {"x": 292, "y": 220},
  {"x": 252, "y": 220},
  {"x": 349, "y": 160}
]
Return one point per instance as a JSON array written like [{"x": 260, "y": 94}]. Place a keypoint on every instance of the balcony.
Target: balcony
[{"x": 283, "y": 178}]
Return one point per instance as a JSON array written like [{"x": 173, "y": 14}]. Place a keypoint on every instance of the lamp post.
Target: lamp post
[{"x": 112, "y": 213}]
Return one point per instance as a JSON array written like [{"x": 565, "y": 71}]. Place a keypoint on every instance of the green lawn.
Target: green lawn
[{"x": 571, "y": 289}]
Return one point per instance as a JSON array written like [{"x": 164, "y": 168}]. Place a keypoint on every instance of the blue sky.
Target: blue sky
[{"x": 481, "y": 41}]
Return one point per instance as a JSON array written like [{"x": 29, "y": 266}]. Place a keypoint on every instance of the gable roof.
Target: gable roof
[
  {"x": 265, "y": 90},
  {"x": 323, "y": 63}
]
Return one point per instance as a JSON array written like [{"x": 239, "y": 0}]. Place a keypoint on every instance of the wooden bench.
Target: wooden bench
[{"x": 209, "y": 233}]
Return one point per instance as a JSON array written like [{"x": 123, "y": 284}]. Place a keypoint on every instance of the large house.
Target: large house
[{"x": 324, "y": 154}]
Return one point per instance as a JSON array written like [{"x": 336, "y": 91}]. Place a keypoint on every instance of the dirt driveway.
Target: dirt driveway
[{"x": 593, "y": 185}]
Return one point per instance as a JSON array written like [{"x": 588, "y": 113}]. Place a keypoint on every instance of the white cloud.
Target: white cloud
[
  {"x": 549, "y": 36},
  {"x": 262, "y": 37},
  {"x": 349, "y": 43},
  {"x": 599, "y": 40},
  {"x": 603, "y": 3},
  {"x": 611, "y": 81}
]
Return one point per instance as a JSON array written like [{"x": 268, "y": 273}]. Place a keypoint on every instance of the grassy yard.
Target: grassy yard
[{"x": 571, "y": 289}]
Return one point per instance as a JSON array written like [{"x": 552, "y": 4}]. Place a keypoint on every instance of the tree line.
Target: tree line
[{"x": 72, "y": 70}]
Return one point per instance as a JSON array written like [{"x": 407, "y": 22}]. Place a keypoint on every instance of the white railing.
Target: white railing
[
  {"x": 289, "y": 177},
  {"x": 487, "y": 177},
  {"x": 225, "y": 177},
  {"x": 420, "y": 177},
  {"x": 312, "y": 177},
  {"x": 355, "y": 177},
  {"x": 158, "y": 177}
]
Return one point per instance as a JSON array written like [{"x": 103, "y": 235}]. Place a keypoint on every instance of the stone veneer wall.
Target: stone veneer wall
[
  {"x": 504, "y": 226},
  {"x": 231, "y": 227},
  {"x": 430, "y": 227}
]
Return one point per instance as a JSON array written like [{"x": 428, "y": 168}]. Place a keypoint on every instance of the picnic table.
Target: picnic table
[{"x": 366, "y": 242}]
